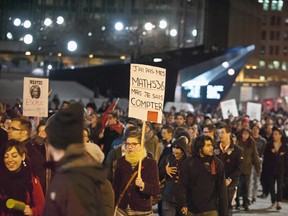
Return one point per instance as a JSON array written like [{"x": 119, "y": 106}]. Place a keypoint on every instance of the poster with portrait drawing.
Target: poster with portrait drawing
[{"x": 35, "y": 97}]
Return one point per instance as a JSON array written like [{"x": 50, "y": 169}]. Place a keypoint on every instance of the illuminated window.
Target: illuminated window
[
  {"x": 262, "y": 64},
  {"x": 276, "y": 65},
  {"x": 270, "y": 65},
  {"x": 284, "y": 66},
  {"x": 274, "y": 5},
  {"x": 266, "y": 5},
  {"x": 280, "y": 5}
]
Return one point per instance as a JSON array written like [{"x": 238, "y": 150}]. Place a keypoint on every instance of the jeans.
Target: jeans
[{"x": 272, "y": 179}]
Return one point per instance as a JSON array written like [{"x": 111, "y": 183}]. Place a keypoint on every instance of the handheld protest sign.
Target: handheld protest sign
[
  {"x": 228, "y": 108},
  {"x": 146, "y": 97},
  {"x": 254, "y": 110},
  {"x": 147, "y": 91},
  {"x": 35, "y": 97}
]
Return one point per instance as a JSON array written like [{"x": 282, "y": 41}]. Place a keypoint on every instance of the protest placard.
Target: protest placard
[
  {"x": 147, "y": 91},
  {"x": 228, "y": 108},
  {"x": 254, "y": 111},
  {"x": 35, "y": 97}
]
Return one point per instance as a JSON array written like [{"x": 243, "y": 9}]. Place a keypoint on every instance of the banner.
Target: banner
[
  {"x": 228, "y": 108},
  {"x": 254, "y": 111},
  {"x": 147, "y": 91},
  {"x": 35, "y": 97}
]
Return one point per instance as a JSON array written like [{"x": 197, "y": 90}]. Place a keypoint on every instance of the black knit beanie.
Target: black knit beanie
[{"x": 66, "y": 127}]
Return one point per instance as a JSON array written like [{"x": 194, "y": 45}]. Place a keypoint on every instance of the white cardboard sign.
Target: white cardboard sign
[
  {"x": 254, "y": 110},
  {"x": 229, "y": 107},
  {"x": 35, "y": 97},
  {"x": 147, "y": 91}
]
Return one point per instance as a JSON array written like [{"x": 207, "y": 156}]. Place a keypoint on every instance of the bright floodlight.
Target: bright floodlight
[
  {"x": 17, "y": 22},
  {"x": 173, "y": 32},
  {"x": 119, "y": 26},
  {"x": 162, "y": 24},
  {"x": 231, "y": 72},
  {"x": 194, "y": 32},
  {"x": 28, "y": 39},
  {"x": 60, "y": 20},
  {"x": 49, "y": 67},
  {"x": 9, "y": 35},
  {"x": 148, "y": 26},
  {"x": 72, "y": 46},
  {"x": 225, "y": 64},
  {"x": 27, "y": 24},
  {"x": 47, "y": 22}
]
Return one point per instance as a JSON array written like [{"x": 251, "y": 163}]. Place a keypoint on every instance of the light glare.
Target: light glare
[
  {"x": 173, "y": 32},
  {"x": 60, "y": 20},
  {"x": 47, "y": 22},
  {"x": 162, "y": 24},
  {"x": 72, "y": 46},
  {"x": 119, "y": 26},
  {"x": 28, "y": 39},
  {"x": 17, "y": 22},
  {"x": 27, "y": 24}
]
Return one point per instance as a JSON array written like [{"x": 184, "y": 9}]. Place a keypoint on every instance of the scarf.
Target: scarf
[
  {"x": 15, "y": 185},
  {"x": 134, "y": 158}
]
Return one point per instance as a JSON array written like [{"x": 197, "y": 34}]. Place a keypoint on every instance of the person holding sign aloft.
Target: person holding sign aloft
[{"x": 134, "y": 189}]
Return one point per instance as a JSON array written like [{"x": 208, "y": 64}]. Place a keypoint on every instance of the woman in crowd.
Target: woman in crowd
[
  {"x": 250, "y": 157},
  {"x": 18, "y": 182},
  {"x": 136, "y": 200}
]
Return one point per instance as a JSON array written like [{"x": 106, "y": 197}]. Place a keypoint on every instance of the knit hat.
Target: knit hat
[
  {"x": 66, "y": 127},
  {"x": 95, "y": 152},
  {"x": 183, "y": 133},
  {"x": 180, "y": 143}
]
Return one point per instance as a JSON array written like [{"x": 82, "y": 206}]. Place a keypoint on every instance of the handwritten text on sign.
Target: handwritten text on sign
[{"x": 147, "y": 90}]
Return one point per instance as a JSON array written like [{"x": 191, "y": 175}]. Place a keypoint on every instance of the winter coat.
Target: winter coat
[
  {"x": 275, "y": 163},
  {"x": 136, "y": 199},
  {"x": 76, "y": 188}
]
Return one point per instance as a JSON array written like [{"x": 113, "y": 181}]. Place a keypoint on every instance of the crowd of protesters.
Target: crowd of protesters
[{"x": 85, "y": 161}]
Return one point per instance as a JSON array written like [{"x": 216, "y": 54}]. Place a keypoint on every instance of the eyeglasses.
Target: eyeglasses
[
  {"x": 14, "y": 129},
  {"x": 133, "y": 145}
]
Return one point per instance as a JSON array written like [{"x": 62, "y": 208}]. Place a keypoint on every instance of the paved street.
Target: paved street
[{"x": 261, "y": 207}]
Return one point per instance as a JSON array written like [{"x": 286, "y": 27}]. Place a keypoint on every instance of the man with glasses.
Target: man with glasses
[{"x": 20, "y": 130}]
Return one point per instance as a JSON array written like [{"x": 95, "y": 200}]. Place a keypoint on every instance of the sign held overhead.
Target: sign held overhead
[{"x": 147, "y": 91}]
